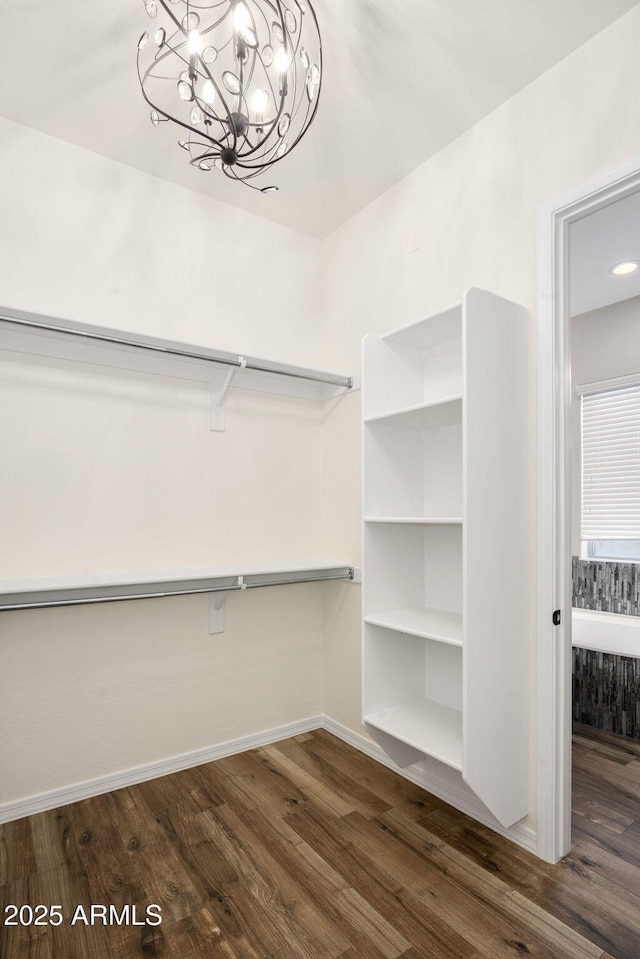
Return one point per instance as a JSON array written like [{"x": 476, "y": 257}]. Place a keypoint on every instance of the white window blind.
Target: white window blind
[{"x": 611, "y": 463}]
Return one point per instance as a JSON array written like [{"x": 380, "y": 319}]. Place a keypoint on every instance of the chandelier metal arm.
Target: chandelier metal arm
[
  {"x": 230, "y": 173},
  {"x": 274, "y": 127},
  {"x": 295, "y": 142},
  {"x": 168, "y": 116}
]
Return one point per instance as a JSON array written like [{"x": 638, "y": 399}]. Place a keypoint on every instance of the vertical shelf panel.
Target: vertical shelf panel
[
  {"x": 443, "y": 566},
  {"x": 495, "y": 516},
  {"x": 442, "y": 451}
]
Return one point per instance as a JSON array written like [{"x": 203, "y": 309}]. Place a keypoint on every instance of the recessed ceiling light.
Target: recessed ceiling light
[{"x": 624, "y": 268}]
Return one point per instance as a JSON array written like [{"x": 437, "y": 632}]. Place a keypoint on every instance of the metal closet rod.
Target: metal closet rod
[
  {"x": 264, "y": 367},
  {"x": 347, "y": 574}
]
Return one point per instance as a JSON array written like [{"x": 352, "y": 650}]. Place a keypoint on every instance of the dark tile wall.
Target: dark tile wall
[
  {"x": 610, "y": 587},
  {"x": 606, "y": 692},
  {"x": 606, "y": 688}
]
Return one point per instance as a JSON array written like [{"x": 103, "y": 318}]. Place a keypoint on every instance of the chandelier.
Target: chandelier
[{"x": 241, "y": 77}]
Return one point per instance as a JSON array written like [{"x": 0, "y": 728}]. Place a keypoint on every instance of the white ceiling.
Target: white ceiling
[
  {"x": 596, "y": 243},
  {"x": 429, "y": 68}
]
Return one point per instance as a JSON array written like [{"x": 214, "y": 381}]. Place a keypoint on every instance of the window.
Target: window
[
  {"x": 615, "y": 551},
  {"x": 610, "y": 525}
]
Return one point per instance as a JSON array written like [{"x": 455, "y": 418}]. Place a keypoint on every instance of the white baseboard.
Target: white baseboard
[
  {"x": 458, "y": 798},
  {"x": 140, "y": 774},
  {"x": 521, "y": 834}
]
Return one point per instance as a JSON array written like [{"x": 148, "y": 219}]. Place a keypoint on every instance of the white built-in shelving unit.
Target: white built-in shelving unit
[{"x": 445, "y": 545}]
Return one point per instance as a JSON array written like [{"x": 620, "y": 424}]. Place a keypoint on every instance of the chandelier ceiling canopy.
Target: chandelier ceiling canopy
[{"x": 240, "y": 77}]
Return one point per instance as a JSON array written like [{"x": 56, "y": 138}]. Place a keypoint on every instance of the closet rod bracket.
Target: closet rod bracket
[
  {"x": 216, "y": 605},
  {"x": 219, "y": 398}
]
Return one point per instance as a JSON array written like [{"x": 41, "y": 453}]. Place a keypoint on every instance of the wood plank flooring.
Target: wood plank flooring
[{"x": 308, "y": 849}]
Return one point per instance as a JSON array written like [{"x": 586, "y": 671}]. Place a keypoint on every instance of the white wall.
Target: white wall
[
  {"x": 605, "y": 343},
  {"x": 103, "y": 470},
  {"x": 474, "y": 208},
  {"x": 93, "y": 240}
]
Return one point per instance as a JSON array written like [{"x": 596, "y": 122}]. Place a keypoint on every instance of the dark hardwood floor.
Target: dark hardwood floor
[{"x": 309, "y": 850}]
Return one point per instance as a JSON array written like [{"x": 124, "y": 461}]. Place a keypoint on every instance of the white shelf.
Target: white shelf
[
  {"x": 428, "y": 623},
  {"x": 416, "y": 520},
  {"x": 30, "y": 593},
  {"x": 434, "y": 414},
  {"x": 430, "y": 332},
  {"x": 38, "y": 335},
  {"x": 425, "y": 724}
]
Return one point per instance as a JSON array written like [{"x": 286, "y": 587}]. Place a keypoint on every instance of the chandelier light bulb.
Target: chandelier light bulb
[
  {"x": 259, "y": 101},
  {"x": 234, "y": 77},
  {"x": 208, "y": 92},
  {"x": 241, "y": 17},
  {"x": 282, "y": 60},
  {"x": 195, "y": 42}
]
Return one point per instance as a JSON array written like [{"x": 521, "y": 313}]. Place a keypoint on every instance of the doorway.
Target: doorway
[{"x": 554, "y": 500}]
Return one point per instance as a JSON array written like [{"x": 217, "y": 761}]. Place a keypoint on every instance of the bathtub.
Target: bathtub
[{"x": 606, "y": 632}]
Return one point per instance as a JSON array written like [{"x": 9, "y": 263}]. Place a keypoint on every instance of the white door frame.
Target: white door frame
[{"x": 553, "y": 502}]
